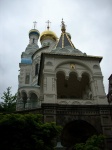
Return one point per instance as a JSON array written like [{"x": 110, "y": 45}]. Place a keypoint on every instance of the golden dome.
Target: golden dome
[{"x": 48, "y": 33}]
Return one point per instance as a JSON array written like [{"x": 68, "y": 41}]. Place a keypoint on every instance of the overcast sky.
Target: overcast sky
[{"x": 88, "y": 21}]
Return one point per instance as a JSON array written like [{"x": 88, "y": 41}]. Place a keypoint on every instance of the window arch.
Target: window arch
[
  {"x": 34, "y": 100},
  {"x": 60, "y": 85},
  {"x": 95, "y": 67},
  {"x": 24, "y": 98},
  {"x": 27, "y": 79},
  {"x": 49, "y": 63},
  {"x": 36, "y": 69},
  {"x": 18, "y": 94}
]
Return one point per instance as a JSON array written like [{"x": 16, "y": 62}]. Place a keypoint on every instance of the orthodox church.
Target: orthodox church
[
  {"x": 57, "y": 72},
  {"x": 63, "y": 83}
]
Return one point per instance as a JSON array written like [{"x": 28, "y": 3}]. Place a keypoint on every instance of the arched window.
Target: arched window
[
  {"x": 24, "y": 97},
  {"x": 49, "y": 63},
  {"x": 33, "y": 40},
  {"x": 95, "y": 67},
  {"x": 61, "y": 85},
  {"x": 36, "y": 69},
  {"x": 27, "y": 79}
]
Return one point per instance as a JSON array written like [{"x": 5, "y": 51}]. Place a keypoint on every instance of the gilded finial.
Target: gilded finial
[
  {"x": 63, "y": 29},
  {"x": 34, "y": 24},
  {"x": 48, "y": 23}
]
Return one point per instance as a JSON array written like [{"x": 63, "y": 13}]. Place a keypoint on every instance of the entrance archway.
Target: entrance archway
[{"x": 77, "y": 131}]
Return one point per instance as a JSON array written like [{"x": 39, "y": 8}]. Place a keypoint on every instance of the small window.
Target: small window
[
  {"x": 36, "y": 69},
  {"x": 95, "y": 67},
  {"x": 49, "y": 63},
  {"x": 27, "y": 79}
]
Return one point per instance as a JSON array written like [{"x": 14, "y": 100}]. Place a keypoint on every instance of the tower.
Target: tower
[{"x": 65, "y": 85}]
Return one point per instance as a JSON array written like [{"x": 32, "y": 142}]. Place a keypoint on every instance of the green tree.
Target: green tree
[
  {"x": 26, "y": 132},
  {"x": 9, "y": 101},
  {"x": 93, "y": 143}
]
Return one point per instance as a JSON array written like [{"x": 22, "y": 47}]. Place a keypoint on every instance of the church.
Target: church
[{"x": 65, "y": 85}]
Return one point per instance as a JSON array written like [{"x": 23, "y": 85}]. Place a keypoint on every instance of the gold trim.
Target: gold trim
[
  {"x": 72, "y": 66},
  {"x": 62, "y": 40},
  {"x": 70, "y": 40}
]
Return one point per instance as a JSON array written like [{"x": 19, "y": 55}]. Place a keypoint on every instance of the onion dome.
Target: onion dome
[
  {"x": 34, "y": 32},
  {"x": 48, "y": 34}
]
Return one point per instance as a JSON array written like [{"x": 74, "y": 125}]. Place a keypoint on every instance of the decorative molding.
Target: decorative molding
[{"x": 53, "y": 84}]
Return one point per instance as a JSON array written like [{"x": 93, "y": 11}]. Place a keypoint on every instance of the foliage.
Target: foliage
[
  {"x": 18, "y": 132},
  {"x": 93, "y": 143},
  {"x": 9, "y": 101}
]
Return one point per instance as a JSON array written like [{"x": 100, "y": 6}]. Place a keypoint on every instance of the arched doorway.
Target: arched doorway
[{"x": 77, "y": 131}]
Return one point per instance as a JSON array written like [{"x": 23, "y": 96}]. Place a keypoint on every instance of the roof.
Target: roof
[
  {"x": 64, "y": 40},
  {"x": 74, "y": 55}
]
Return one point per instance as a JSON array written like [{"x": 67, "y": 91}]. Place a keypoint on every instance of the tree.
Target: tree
[
  {"x": 26, "y": 131},
  {"x": 93, "y": 143},
  {"x": 9, "y": 101}
]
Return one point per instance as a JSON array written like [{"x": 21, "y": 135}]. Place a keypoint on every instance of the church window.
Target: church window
[
  {"x": 27, "y": 79},
  {"x": 36, "y": 69},
  {"x": 33, "y": 40},
  {"x": 96, "y": 67},
  {"x": 49, "y": 63}
]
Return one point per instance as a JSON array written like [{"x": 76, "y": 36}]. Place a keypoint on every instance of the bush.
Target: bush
[{"x": 18, "y": 132}]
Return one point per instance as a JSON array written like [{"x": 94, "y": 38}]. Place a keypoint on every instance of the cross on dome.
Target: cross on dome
[
  {"x": 63, "y": 29},
  {"x": 35, "y": 23},
  {"x": 48, "y": 22}
]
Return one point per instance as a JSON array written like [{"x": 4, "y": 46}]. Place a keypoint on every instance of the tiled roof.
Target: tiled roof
[{"x": 64, "y": 40}]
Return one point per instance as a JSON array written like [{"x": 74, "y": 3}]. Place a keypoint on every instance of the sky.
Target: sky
[{"x": 88, "y": 21}]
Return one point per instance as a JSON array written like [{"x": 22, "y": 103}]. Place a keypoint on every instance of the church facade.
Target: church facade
[{"x": 65, "y": 85}]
